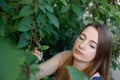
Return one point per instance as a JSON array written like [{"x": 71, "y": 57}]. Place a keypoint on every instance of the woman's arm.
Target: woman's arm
[{"x": 50, "y": 66}]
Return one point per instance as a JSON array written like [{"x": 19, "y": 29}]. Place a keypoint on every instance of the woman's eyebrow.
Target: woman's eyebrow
[
  {"x": 94, "y": 42},
  {"x": 91, "y": 40},
  {"x": 83, "y": 34}
]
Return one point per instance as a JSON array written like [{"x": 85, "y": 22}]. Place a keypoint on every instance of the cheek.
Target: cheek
[
  {"x": 75, "y": 45},
  {"x": 77, "y": 42},
  {"x": 90, "y": 55}
]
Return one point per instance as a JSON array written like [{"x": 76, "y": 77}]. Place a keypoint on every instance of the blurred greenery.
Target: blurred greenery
[
  {"x": 51, "y": 26},
  {"x": 76, "y": 74},
  {"x": 9, "y": 65},
  {"x": 13, "y": 62}
]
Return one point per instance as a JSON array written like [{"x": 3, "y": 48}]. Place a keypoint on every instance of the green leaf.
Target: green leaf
[
  {"x": 30, "y": 59},
  {"x": 104, "y": 2},
  {"x": 53, "y": 19},
  {"x": 117, "y": 13},
  {"x": 110, "y": 14},
  {"x": 41, "y": 18},
  {"x": 32, "y": 77},
  {"x": 24, "y": 40},
  {"x": 5, "y": 6},
  {"x": 43, "y": 47},
  {"x": 45, "y": 78},
  {"x": 84, "y": 1},
  {"x": 102, "y": 9},
  {"x": 9, "y": 63},
  {"x": 76, "y": 74},
  {"x": 77, "y": 10},
  {"x": 63, "y": 9},
  {"x": 25, "y": 24},
  {"x": 22, "y": 43},
  {"x": 26, "y": 1},
  {"x": 49, "y": 8},
  {"x": 36, "y": 9},
  {"x": 64, "y": 2},
  {"x": 26, "y": 11},
  {"x": 34, "y": 68},
  {"x": 48, "y": 1},
  {"x": 42, "y": 8},
  {"x": 44, "y": 30}
]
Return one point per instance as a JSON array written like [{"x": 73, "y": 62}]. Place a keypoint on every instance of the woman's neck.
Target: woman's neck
[{"x": 79, "y": 64}]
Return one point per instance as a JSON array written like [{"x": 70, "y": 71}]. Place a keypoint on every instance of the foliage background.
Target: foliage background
[{"x": 55, "y": 23}]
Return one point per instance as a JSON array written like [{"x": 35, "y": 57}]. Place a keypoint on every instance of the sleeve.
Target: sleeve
[{"x": 97, "y": 78}]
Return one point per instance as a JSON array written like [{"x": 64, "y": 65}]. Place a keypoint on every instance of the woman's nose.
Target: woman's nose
[{"x": 82, "y": 45}]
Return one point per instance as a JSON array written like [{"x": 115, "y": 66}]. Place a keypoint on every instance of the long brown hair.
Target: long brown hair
[{"x": 101, "y": 62}]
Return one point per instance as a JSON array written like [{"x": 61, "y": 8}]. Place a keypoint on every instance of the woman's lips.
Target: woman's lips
[{"x": 78, "y": 52}]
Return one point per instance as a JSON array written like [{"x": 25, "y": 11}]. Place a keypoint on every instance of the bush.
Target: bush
[{"x": 37, "y": 23}]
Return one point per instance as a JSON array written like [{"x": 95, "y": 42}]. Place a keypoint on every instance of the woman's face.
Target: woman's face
[{"x": 85, "y": 46}]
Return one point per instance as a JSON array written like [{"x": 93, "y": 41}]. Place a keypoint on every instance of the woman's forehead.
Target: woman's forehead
[{"x": 90, "y": 33}]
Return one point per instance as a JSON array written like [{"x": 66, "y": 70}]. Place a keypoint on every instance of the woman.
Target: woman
[{"x": 91, "y": 54}]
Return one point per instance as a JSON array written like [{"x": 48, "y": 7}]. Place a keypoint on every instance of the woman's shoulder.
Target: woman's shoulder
[
  {"x": 64, "y": 55},
  {"x": 66, "y": 52}
]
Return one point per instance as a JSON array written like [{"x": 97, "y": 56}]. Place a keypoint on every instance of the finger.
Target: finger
[{"x": 36, "y": 52}]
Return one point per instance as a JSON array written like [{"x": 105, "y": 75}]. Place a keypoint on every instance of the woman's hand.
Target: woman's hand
[{"x": 38, "y": 54}]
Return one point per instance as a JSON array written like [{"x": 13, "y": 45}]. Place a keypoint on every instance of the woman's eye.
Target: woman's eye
[
  {"x": 92, "y": 46},
  {"x": 81, "y": 38}
]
